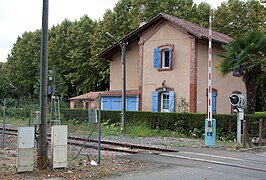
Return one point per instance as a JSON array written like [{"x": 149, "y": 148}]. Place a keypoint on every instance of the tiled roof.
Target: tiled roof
[
  {"x": 87, "y": 96},
  {"x": 197, "y": 30},
  {"x": 193, "y": 29},
  {"x": 119, "y": 93},
  {"x": 93, "y": 95}
]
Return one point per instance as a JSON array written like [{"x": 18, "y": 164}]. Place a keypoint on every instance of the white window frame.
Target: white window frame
[
  {"x": 162, "y": 101},
  {"x": 164, "y": 57}
]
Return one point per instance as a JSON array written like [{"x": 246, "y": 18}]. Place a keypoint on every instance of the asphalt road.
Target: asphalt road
[{"x": 199, "y": 164}]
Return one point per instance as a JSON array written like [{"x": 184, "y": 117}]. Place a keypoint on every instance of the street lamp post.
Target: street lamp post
[{"x": 123, "y": 62}]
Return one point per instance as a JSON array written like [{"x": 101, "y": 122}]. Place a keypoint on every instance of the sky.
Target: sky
[{"x": 19, "y": 16}]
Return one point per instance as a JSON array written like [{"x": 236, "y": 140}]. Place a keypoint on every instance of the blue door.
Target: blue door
[
  {"x": 115, "y": 103},
  {"x": 106, "y": 103},
  {"x": 132, "y": 104},
  {"x": 213, "y": 102}
]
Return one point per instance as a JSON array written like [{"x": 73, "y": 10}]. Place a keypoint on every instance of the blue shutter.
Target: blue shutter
[
  {"x": 213, "y": 102},
  {"x": 170, "y": 60},
  {"x": 156, "y": 58},
  {"x": 171, "y": 101},
  {"x": 154, "y": 101}
]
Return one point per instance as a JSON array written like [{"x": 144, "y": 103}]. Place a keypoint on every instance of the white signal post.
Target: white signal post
[{"x": 210, "y": 75}]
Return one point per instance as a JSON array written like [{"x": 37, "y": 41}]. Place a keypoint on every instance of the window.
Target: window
[
  {"x": 163, "y": 57},
  {"x": 163, "y": 101},
  {"x": 166, "y": 58}
]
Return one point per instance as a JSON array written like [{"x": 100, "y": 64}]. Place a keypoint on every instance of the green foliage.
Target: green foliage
[
  {"x": 3, "y": 80},
  {"x": 23, "y": 65},
  {"x": 241, "y": 16},
  {"x": 183, "y": 105},
  {"x": 248, "y": 54},
  {"x": 188, "y": 124}
]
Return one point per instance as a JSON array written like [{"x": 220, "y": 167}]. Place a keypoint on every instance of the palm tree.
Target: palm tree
[{"x": 247, "y": 55}]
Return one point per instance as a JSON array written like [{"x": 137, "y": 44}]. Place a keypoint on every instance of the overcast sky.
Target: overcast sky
[{"x": 18, "y": 16}]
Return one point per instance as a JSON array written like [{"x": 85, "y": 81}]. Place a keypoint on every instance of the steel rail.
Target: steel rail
[
  {"x": 112, "y": 143},
  {"x": 136, "y": 146}
]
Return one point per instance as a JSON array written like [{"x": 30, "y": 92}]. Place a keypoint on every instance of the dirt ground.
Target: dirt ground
[{"x": 79, "y": 168}]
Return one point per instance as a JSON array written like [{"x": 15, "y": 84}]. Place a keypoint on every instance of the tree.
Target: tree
[
  {"x": 246, "y": 54},
  {"x": 23, "y": 65},
  {"x": 3, "y": 80},
  {"x": 240, "y": 17}
]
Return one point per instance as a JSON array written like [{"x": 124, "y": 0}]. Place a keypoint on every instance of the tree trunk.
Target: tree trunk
[{"x": 250, "y": 83}]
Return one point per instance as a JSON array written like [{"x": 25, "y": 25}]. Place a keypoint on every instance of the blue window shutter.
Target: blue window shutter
[
  {"x": 154, "y": 101},
  {"x": 156, "y": 60},
  {"x": 213, "y": 102},
  {"x": 170, "y": 55},
  {"x": 171, "y": 101}
]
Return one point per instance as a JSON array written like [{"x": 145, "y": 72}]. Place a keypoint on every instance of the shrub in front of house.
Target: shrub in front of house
[{"x": 185, "y": 123}]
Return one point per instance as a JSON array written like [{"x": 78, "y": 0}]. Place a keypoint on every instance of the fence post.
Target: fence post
[
  {"x": 4, "y": 121},
  {"x": 260, "y": 132},
  {"x": 244, "y": 134}
]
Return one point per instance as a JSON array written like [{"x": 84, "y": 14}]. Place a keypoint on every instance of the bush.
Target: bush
[{"x": 185, "y": 123}]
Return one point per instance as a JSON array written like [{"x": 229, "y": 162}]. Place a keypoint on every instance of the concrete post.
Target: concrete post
[
  {"x": 244, "y": 134},
  {"x": 260, "y": 132}
]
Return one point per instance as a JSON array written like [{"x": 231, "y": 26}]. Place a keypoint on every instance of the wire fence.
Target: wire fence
[{"x": 20, "y": 112}]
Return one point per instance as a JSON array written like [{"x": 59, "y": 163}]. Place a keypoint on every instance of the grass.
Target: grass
[
  {"x": 261, "y": 113},
  {"x": 134, "y": 131}
]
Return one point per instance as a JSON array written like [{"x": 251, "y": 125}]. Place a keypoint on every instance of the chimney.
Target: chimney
[{"x": 142, "y": 22}]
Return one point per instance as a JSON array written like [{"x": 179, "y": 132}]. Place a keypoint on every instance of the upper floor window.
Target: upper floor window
[
  {"x": 166, "y": 57},
  {"x": 163, "y": 57}
]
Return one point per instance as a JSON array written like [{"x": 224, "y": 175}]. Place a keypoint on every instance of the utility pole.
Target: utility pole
[
  {"x": 42, "y": 151},
  {"x": 123, "y": 113},
  {"x": 123, "y": 63}
]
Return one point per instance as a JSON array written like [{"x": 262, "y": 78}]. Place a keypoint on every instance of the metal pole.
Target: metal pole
[
  {"x": 244, "y": 134},
  {"x": 260, "y": 132},
  {"x": 52, "y": 118},
  {"x": 99, "y": 130},
  {"x": 210, "y": 75},
  {"x": 43, "y": 87},
  {"x": 240, "y": 117},
  {"x": 123, "y": 113},
  {"x": 4, "y": 121}
]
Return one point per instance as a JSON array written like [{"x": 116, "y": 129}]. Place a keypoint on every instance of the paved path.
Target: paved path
[{"x": 199, "y": 164}]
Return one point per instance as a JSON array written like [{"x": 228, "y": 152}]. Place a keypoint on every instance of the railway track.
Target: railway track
[
  {"x": 223, "y": 160},
  {"x": 106, "y": 145}
]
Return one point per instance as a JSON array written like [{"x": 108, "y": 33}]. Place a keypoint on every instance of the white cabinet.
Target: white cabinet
[
  {"x": 59, "y": 146},
  {"x": 25, "y": 149}
]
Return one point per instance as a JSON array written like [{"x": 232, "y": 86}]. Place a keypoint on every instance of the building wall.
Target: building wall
[
  {"x": 132, "y": 52},
  {"x": 178, "y": 77},
  {"x": 224, "y": 85}
]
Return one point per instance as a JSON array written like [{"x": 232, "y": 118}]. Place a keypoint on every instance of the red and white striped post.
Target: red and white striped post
[{"x": 210, "y": 75}]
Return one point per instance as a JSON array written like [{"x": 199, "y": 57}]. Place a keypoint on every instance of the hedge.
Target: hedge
[{"x": 182, "y": 122}]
